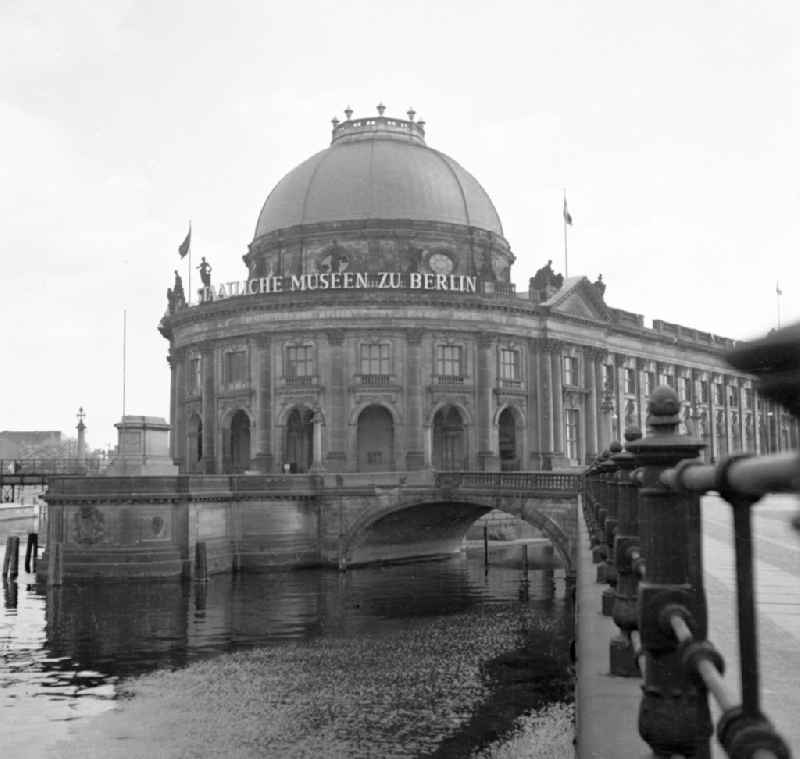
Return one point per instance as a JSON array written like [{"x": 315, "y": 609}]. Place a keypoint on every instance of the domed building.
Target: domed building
[{"x": 376, "y": 328}]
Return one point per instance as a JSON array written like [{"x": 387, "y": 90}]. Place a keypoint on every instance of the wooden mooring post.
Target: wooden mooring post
[
  {"x": 485, "y": 547},
  {"x": 200, "y": 561},
  {"x": 31, "y": 552},
  {"x": 11, "y": 560}
]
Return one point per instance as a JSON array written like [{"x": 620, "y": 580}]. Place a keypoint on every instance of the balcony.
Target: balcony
[
  {"x": 375, "y": 379},
  {"x": 449, "y": 379}
]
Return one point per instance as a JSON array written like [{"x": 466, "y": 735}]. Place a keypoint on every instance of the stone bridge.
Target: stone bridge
[{"x": 153, "y": 526}]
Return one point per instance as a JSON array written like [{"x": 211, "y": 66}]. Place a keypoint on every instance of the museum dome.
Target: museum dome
[{"x": 378, "y": 168}]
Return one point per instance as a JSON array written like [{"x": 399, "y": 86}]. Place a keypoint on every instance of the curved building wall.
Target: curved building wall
[{"x": 376, "y": 380}]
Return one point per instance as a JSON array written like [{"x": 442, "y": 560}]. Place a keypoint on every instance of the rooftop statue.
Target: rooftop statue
[
  {"x": 545, "y": 283},
  {"x": 205, "y": 272},
  {"x": 600, "y": 285}
]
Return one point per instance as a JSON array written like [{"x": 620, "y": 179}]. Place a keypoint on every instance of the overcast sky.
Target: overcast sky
[{"x": 671, "y": 125}]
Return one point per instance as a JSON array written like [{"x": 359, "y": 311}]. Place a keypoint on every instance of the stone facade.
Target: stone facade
[{"x": 359, "y": 342}]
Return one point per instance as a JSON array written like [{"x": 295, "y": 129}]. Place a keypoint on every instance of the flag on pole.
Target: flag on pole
[
  {"x": 567, "y": 215},
  {"x": 778, "y": 288},
  {"x": 184, "y": 247}
]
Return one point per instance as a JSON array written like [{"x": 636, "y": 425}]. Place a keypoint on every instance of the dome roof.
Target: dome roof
[{"x": 378, "y": 168}]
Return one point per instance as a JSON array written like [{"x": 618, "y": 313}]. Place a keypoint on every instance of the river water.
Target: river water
[{"x": 434, "y": 659}]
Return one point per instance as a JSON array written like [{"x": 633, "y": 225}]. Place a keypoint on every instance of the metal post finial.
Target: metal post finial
[
  {"x": 411, "y": 113},
  {"x": 381, "y": 109},
  {"x": 348, "y": 112},
  {"x": 335, "y": 122}
]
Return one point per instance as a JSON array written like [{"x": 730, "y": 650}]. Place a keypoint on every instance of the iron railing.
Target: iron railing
[
  {"x": 509, "y": 481},
  {"x": 642, "y": 509},
  {"x": 40, "y": 466}
]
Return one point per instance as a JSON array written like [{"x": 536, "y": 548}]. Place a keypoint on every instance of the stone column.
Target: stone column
[
  {"x": 618, "y": 431},
  {"x": 726, "y": 399},
  {"x": 712, "y": 418},
  {"x": 317, "y": 420},
  {"x": 556, "y": 361},
  {"x": 337, "y": 403},
  {"x": 263, "y": 460},
  {"x": 488, "y": 459},
  {"x": 415, "y": 445},
  {"x": 757, "y": 406},
  {"x": 209, "y": 462},
  {"x": 591, "y": 357},
  {"x": 177, "y": 435},
  {"x": 534, "y": 424}
]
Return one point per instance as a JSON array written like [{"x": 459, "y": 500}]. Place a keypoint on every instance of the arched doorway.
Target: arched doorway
[
  {"x": 194, "y": 444},
  {"x": 299, "y": 440},
  {"x": 240, "y": 442},
  {"x": 449, "y": 442},
  {"x": 375, "y": 440},
  {"x": 507, "y": 441}
]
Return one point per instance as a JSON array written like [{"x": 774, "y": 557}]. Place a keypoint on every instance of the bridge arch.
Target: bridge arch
[
  {"x": 377, "y": 524},
  {"x": 237, "y": 429}
]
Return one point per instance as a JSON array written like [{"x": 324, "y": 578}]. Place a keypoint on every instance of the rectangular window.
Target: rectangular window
[
  {"x": 703, "y": 391},
  {"x": 608, "y": 378},
  {"x": 299, "y": 361},
  {"x": 649, "y": 379},
  {"x": 733, "y": 396},
  {"x": 448, "y": 361},
  {"x": 571, "y": 433},
  {"x": 509, "y": 365},
  {"x": 235, "y": 368},
  {"x": 375, "y": 358},
  {"x": 571, "y": 370},
  {"x": 748, "y": 398},
  {"x": 684, "y": 388},
  {"x": 630, "y": 381},
  {"x": 719, "y": 394},
  {"x": 194, "y": 379},
  {"x": 668, "y": 380}
]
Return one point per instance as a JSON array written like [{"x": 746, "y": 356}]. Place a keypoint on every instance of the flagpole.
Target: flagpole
[
  {"x": 564, "y": 215},
  {"x": 189, "y": 294},
  {"x": 778, "y": 293},
  {"x": 124, "y": 354}
]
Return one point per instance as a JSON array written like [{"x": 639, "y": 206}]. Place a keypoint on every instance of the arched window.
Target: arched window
[
  {"x": 449, "y": 440},
  {"x": 375, "y": 440},
  {"x": 194, "y": 444},
  {"x": 299, "y": 440},
  {"x": 240, "y": 442},
  {"x": 507, "y": 439}
]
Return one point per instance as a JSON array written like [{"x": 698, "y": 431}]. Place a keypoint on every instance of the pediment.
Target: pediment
[{"x": 579, "y": 298}]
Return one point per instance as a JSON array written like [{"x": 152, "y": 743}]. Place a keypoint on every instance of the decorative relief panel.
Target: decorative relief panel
[
  {"x": 155, "y": 525},
  {"x": 88, "y": 526}
]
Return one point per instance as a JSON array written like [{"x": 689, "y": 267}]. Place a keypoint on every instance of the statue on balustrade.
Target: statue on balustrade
[
  {"x": 175, "y": 295},
  {"x": 545, "y": 283}
]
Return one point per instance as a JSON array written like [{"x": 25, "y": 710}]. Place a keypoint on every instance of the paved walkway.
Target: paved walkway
[{"x": 607, "y": 707}]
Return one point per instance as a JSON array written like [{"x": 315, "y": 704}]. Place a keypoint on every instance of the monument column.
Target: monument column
[
  {"x": 757, "y": 403},
  {"x": 208, "y": 362},
  {"x": 415, "y": 445},
  {"x": 263, "y": 460},
  {"x": 488, "y": 460},
  {"x": 619, "y": 398},
  {"x": 337, "y": 404},
  {"x": 81, "y": 427}
]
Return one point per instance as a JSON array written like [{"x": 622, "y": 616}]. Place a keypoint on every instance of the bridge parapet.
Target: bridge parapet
[{"x": 667, "y": 642}]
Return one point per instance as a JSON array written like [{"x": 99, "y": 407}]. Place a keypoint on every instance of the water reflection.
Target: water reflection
[{"x": 77, "y": 640}]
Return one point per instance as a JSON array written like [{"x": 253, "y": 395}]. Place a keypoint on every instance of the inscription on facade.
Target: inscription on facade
[{"x": 347, "y": 280}]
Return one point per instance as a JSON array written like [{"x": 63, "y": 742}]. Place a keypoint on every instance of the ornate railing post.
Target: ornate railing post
[
  {"x": 610, "y": 527},
  {"x": 621, "y": 655},
  {"x": 598, "y": 549},
  {"x": 674, "y": 716}
]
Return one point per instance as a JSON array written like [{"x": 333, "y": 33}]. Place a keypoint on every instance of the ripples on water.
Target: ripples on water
[{"x": 432, "y": 659}]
